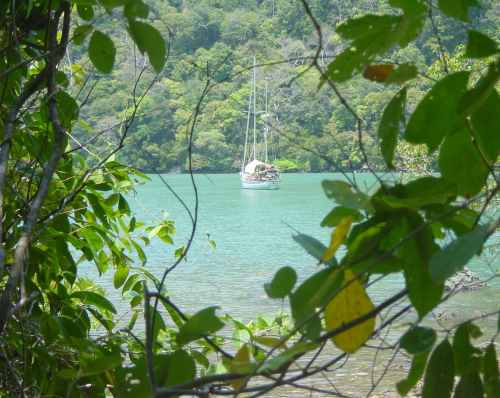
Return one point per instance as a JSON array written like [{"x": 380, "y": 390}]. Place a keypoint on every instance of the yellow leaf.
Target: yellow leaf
[
  {"x": 378, "y": 73},
  {"x": 350, "y": 303},
  {"x": 240, "y": 364},
  {"x": 269, "y": 341},
  {"x": 338, "y": 236}
]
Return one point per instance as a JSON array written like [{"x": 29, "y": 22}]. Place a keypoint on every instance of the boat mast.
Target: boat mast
[
  {"x": 246, "y": 133},
  {"x": 254, "y": 113},
  {"x": 266, "y": 126}
]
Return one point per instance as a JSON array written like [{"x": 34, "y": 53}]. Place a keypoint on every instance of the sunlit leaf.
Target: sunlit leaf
[
  {"x": 352, "y": 302},
  {"x": 338, "y": 214},
  {"x": 94, "y": 299},
  {"x": 345, "y": 195},
  {"x": 338, "y": 236},
  {"x": 240, "y": 364}
]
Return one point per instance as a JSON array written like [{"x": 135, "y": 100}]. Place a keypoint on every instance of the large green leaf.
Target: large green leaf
[
  {"x": 458, "y": 9},
  {"x": 313, "y": 293},
  {"x": 181, "y": 368},
  {"x": 390, "y": 123},
  {"x": 345, "y": 195},
  {"x": 418, "y": 193},
  {"x": 102, "y": 52},
  {"x": 418, "y": 339},
  {"x": 414, "y": 375},
  {"x": 461, "y": 163},
  {"x": 439, "y": 377},
  {"x": 282, "y": 283},
  {"x": 373, "y": 35},
  {"x": 81, "y": 32},
  {"x": 466, "y": 356},
  {"x": 415, "y": 251},
  {"x": 338, "y": 214},
  {"x": 469, "y": 386},
  {"x": 436, "y": 115},
  {"x": 199, "y": 325},
  {"x": 312, "y": 246},
  {"x": 479, "y": 45},
  {"x": 486, "y": 124},
  {"x": 491, "y": 373},
  {"x": 95, "y": 299},
  {"x": 456, "y": 255},
  {"x": 149, "y": 41}
]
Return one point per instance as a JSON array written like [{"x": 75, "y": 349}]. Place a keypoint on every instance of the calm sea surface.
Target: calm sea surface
[{"x": 253, "y": 232}]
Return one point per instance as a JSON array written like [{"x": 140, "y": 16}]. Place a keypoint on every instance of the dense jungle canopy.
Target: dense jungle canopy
[{"x": 217, "y": 39}]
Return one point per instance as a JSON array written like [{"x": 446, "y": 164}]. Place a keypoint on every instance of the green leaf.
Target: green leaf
[
  {"x": 98, "y": 361},
  {"x": 149, "y": 41},
  {"x": 415, "y": 253},
  {"x": 469, "y": 386},
  {"x": 436, "y": 115},
  {"x": 181, "y": 368},
  {"x": 123, "y": 205},
  {"x": 67, "y": 108},
  {"x": 102, "y": 52},
  {"x": 402, "y": 74},
  {"x": 199, "y": 325},
  {"x": 461, "y": 163},
  {"x": 491, "y": 375},
  {"x": 81, "y": 33},
  {"x": 345, "y": 195},
  {"x": 94, "y": 299},
  {"x": 338, "y": 214},
  {"x": 456, "y": 255},
  {"x": 315, "y": 292},
  {"x": 86, "y": 12},
  {"x": 414, "y": 375},
  {"x": 374, "y": 35},
  {"x": 311, "y": 245},
  {"x": 439, "y": 377},
  {"x": 458, "y": 9},
  {"x": 466, "y": 356},
  {"x": 390, "y": 123},
  {"x": 282, "y": 283},
  {"x": 288, "y": 356},
  {"x": 136, "y": 9},
  {"x": 418, "y": 193},
  {"x": 486, "y": 125},
  {"x": 480, "y": 93},
  {"x": 479, "y": 45},
  {"x": 120, "y": 276},
  {"x": 418, "y": 339}
]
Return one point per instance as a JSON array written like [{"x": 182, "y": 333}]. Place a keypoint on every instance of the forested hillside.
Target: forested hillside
[{"x": 216, "y": 40}]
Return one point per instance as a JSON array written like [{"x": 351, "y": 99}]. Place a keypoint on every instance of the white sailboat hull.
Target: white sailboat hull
[
  {"x": 249, "y": 183},
  {"x": 271, "y": 184}
]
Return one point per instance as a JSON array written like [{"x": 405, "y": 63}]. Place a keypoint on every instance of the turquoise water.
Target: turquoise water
[{"x": 253, "y": 232}]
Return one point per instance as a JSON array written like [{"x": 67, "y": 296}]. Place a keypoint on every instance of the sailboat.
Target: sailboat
[{"x": 255, "y": 173}]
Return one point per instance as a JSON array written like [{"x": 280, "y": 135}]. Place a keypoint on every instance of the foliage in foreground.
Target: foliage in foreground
[{"x": 59, "y": 212}]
